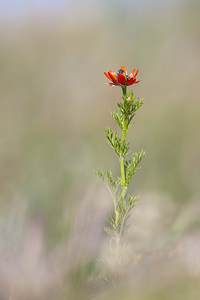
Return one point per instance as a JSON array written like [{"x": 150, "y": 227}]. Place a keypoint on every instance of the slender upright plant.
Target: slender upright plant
[{"x": 125, "y": 112}]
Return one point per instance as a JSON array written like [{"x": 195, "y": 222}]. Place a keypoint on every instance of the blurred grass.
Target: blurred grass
[{"x": 54, "y": 106}]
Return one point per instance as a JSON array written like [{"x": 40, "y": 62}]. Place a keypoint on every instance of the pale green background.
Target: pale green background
[{"x": 53, "y": 107}]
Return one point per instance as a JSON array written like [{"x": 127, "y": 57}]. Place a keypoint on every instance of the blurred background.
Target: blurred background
[{"x": 54, "y": 105}]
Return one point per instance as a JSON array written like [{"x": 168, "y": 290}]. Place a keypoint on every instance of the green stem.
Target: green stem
[
  {"x": 125, "y": 127},
  {"x": 124, "y": 90},
  {"x": 124, "y": 187},
  {"x": 123, "y": 177}
]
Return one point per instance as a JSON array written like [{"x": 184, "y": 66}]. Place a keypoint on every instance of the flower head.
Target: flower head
[{"x": 121, "y": 78}]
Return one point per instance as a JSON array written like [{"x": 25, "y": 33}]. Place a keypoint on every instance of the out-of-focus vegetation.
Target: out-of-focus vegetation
[{"x": 53, "y": 107}]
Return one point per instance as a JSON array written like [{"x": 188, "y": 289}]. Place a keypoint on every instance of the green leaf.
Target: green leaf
[
  {"x": 120, "y": 147},
  {"x": 117, "y": 116},
  {"x": 101, "y": 174},
  {"x": 131, "y": 165},
  {"x": 138, "y": 103}
]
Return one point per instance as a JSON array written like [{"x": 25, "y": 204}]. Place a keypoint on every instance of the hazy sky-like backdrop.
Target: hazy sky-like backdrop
[{"x": 16, "y": 8}]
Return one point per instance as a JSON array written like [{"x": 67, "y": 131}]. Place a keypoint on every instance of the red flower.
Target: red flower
[{"x": 121, "y": 78}]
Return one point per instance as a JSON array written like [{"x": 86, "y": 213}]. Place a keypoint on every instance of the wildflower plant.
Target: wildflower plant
[{"x": 129, "y": 162}]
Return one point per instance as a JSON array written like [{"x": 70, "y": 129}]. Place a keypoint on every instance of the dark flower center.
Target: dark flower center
[{"x": 120, "y": 71}]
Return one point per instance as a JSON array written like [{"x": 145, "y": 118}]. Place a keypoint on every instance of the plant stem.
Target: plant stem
[
  {"x": 123, "y": 177},
  {"x": 124, "y": 90},
  {"x": 124, "y": 187}
]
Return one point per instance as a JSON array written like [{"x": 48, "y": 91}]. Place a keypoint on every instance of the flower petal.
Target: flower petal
[
  {"x": 131, "y": 81},
  {"x": 136, "y": 73},
  {"x": 107, "y": 75},
  {"x": 121, "y": 79},
  {"x": 124, "y": 69},
  {"x": 132, "y": 75},
  {"x": 111, "y": 84},
  {"x": 113, "y": 76}
]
